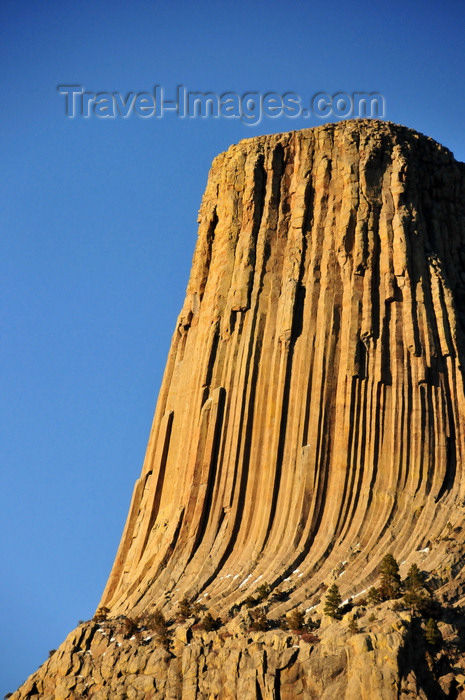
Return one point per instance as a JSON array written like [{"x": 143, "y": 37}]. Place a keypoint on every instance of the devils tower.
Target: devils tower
[{"x": 311, "y": 419}]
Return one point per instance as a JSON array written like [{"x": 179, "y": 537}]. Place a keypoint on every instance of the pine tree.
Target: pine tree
[
  {"x": 415, "y": 580},
  {"x": 185, "y": 608},
  {"x": 374, "y": 596},
  {"x": 433, "y": 636},
  {"x": 155, "y": 622},
  {"x": 197, "y": 609},
  {"x": 128, "y": 627},
  {"x": 259, "y": 621},
  {"x": 101, "y": 614},
  {"x": 208, "y": 622},
  {"x": 390, "y": 580},
  {"x": 333, "y": 602},
  {"x": 416, "y": 596},
  {"x": 250, "y": 601},
  {"x": 296, "y": 620},
  {"x": 263, "y": 591},
  {"x": 353, "y": 626}
]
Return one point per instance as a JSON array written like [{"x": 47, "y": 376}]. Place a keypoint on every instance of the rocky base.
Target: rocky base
[{"x": 371, "y": 653}]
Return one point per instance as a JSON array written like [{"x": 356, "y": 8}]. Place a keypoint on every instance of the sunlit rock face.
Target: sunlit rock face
[
  {"x": 312, "y": 410},
  {"x": 311, "y": 419}
]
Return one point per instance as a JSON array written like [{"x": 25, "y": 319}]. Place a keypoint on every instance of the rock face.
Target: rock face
[
  {"x": 313, "y": 401},
  {"x": 312, "y": 412}
]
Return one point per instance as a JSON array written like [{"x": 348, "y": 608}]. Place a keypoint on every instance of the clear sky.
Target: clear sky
[{"x": 98, "y": 230}]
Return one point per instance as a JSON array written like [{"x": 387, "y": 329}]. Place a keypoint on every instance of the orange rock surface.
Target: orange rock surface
[{"x": 312, "y": 410}]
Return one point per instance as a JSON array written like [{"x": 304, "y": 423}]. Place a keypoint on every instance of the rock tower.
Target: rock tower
[{"x": 312, "y": 412}]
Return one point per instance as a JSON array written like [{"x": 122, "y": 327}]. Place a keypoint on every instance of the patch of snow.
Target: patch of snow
[
  {"x": 288, "y": 578},
  {"x": 245, "y": 580},
  {"x": 258, "y": 579},
  {"x": 341, "y": 574},
  {"x": 112, "y": 639},
  {"x": 131, "y": 638},
  {"x": 426, "y": 549},
  {"x": 361, "y": 592},
  {"x": 344, "y": 562},
  {"x": 147, "y": 639},
  {"x": 236, "y": 576},
  {"x": 312, "y": 607},
  {"x": 296, "y": 571},
  {"x": 300, "y": 575}
]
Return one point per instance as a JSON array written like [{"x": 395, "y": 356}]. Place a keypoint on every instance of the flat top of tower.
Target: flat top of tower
[{"x": 350, "y": 128}]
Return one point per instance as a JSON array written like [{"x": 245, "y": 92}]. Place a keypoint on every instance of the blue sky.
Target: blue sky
[{"x": 98, "y": 231}]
